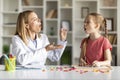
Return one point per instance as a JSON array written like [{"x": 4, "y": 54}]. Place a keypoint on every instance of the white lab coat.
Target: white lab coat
[{"x": 30, "y": 55}]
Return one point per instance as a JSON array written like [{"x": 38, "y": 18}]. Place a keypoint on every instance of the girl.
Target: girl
[
  {"x": 32, "y": 48},
  {"x": 95, "y": 49}
]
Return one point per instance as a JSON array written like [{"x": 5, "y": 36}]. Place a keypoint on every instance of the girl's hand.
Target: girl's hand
[
  {"x": 96, "y": 64},
  {"x": 63, "y": 34},
  {"x": 53, "y": 47},
  {"x": 83, "y": 62}
]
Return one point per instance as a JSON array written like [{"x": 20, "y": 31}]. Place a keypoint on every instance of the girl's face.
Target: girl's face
[
  {"x": 89, "y": 25},
  {"x": 34, "y": 23}
]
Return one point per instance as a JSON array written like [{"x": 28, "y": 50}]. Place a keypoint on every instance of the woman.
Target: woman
[{"x": 32, "y": 48}]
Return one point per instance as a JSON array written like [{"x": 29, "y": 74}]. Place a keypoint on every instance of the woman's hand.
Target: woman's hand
[
  {"x": 63, "y": 34},
  {"x": 53, "y": 47}
]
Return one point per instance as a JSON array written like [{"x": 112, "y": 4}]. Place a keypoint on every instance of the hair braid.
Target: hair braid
[{"x": 106, "y": 31}]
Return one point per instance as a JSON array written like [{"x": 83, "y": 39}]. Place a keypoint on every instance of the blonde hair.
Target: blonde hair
[{"x": 21, "y": 29}]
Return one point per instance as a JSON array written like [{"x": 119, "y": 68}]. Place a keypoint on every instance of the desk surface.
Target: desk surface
[{"x": 62, "y": 73}]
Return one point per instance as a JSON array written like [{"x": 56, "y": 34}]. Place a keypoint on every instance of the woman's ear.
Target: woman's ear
[{"x": 27, "y": 26}]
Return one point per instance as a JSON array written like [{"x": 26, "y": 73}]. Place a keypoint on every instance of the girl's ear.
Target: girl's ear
[{"x": 97, "y": 26}]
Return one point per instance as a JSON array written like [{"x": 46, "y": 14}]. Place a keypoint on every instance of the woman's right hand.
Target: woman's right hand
[{"x": 53, "y": 47}]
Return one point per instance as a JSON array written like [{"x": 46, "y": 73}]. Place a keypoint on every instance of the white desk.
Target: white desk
[{"x": 37, "y": 74}]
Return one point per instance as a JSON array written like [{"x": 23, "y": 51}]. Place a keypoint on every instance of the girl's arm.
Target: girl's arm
[
  {"x": 107, "y": 61},
  {"x": 82, "y": 61},
  {"x": 83, "y": 52}
]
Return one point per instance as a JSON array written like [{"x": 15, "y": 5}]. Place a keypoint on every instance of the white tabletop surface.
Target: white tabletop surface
[{"x": 52, "y": 74}]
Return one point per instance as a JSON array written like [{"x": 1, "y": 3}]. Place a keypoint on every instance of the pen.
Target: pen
[{"x": 8, "y": 60}]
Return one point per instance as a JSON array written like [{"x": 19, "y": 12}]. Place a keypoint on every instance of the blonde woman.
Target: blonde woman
[
  {"x": 95, "y": 49},
  {"x": 32, "y": 48}
]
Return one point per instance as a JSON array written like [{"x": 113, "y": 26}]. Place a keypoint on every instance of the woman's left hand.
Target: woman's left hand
[
  {"x": 53, "y": 47},
  {"x": 63, "y": 34}
]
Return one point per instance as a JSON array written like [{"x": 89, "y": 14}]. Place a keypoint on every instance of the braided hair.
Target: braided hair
[{"x": 106, "y": 31}]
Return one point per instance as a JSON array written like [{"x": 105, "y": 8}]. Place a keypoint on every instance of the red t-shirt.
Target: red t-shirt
[{"x": 95, "y": 49}]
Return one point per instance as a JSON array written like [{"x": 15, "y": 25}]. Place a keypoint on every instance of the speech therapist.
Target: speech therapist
[{"x": 32, "y": 47}]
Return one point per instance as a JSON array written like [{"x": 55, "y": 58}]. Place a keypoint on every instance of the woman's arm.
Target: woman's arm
[
  {"x": 25, "y": 55},
  {"x": 55, "y": 55}
]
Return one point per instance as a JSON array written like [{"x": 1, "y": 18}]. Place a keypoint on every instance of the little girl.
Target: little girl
[{"x": 95, "y": 49}]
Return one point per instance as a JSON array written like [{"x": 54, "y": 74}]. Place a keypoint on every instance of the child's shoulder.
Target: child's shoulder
[
  {"x": 84, "y": 39},
  {"x": 104, "y": 39}
]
